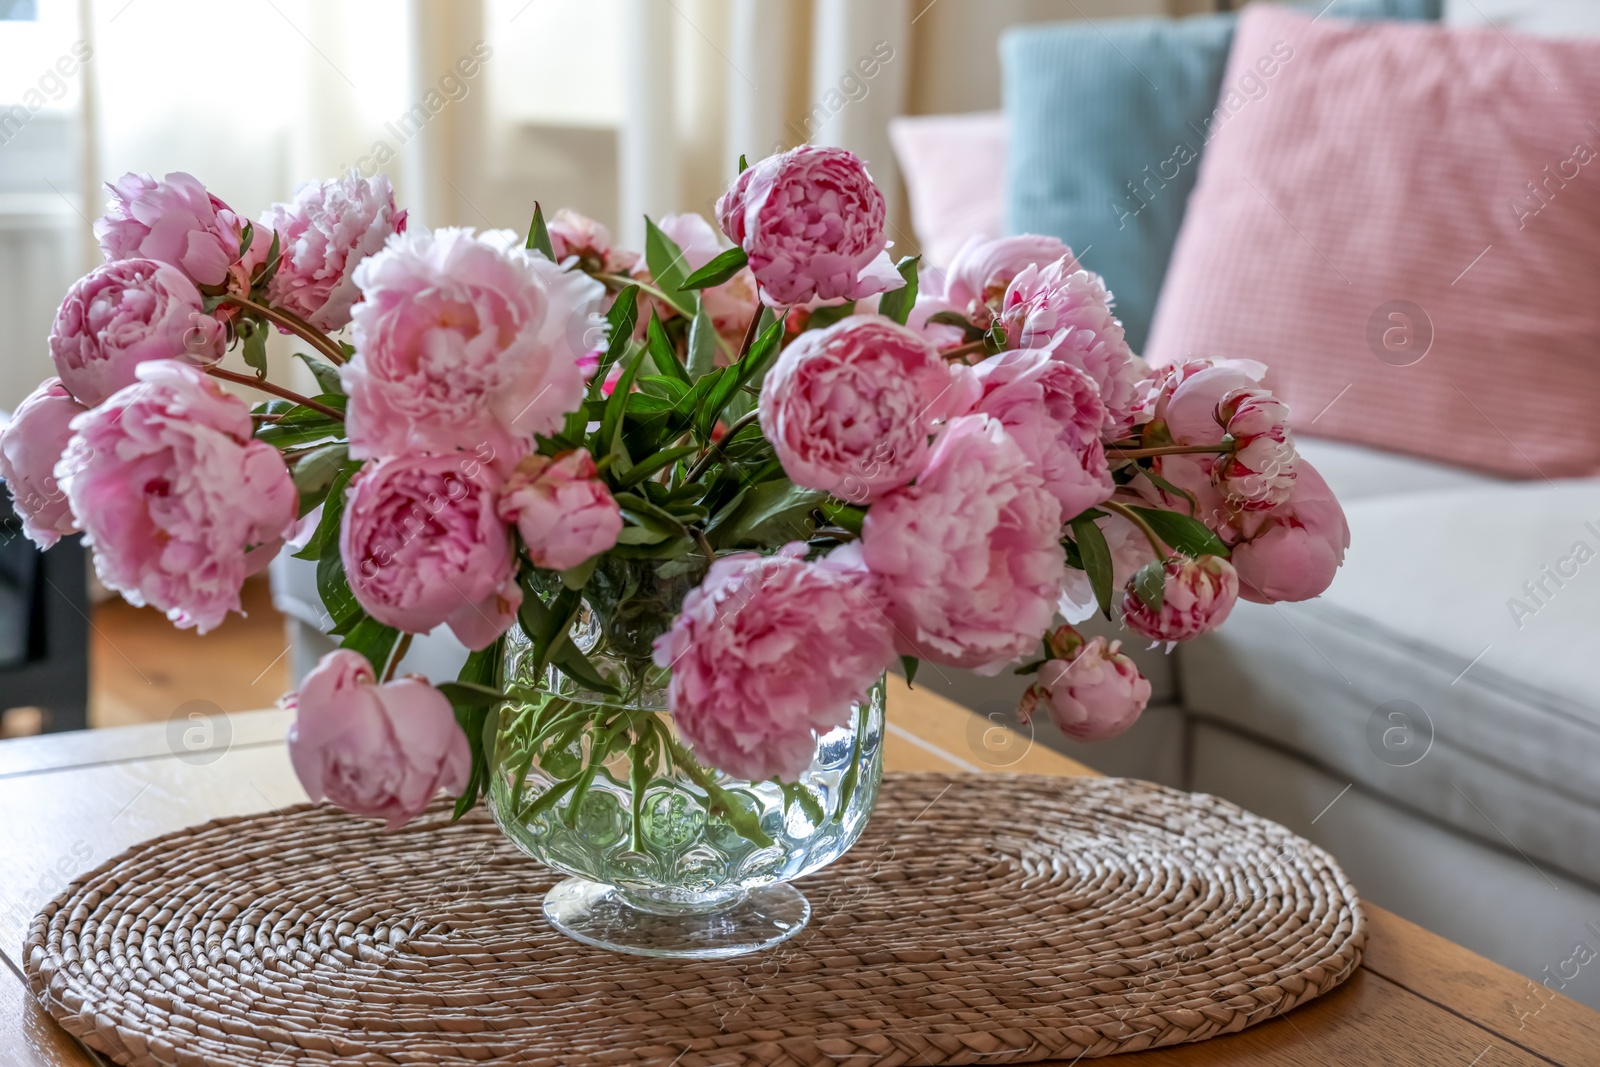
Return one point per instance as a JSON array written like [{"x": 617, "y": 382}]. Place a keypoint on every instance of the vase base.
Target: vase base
[{"x": 598, "y": 915}]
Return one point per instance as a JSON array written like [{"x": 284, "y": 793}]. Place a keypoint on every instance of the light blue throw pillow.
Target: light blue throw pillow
[{"x": 1107, "y": 124}]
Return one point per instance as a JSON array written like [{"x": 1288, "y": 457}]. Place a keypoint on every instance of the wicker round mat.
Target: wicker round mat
[{"x": 979, "y": 920}]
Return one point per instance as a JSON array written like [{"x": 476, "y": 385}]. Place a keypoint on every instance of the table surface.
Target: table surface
[{"x": 72, "y": 801}]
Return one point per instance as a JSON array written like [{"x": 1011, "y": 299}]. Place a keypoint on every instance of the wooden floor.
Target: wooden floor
[{"x": 143, "y": 669}]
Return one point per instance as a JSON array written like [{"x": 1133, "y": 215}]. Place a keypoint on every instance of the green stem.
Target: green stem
[
  {"x": 276, "y": 390},
  {"x": 620, "y": 282},
  {"x": 961, "y": 352},
  {"x": 1168, "y": 450},
  {"x": 751, "y": 331},
  {"x": 713, "y": 451},
  {"x": 291, "y": 322},
  {"x": 400, "y": 649},
  {"x": 1162, "y": 551}
]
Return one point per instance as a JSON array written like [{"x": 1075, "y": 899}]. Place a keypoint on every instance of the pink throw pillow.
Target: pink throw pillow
[
  {"x": 1404, "y": 225},
  {"x": 954, "y": 167}
]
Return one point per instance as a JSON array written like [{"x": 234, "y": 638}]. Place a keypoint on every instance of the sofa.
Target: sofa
[{"x": 1433, "y": 719}]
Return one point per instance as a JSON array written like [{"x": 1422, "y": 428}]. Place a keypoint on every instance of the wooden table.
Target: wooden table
[{"x": 68, "y": 803}]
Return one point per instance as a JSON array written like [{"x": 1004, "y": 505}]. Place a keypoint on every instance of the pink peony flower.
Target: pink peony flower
[
  {"x": 464, "y": 341},
  {"x": 377, "y": 750},
  {"x": 572, "y": 234},
  {"x": 730, "y": 304},
  {"x": 30, "y": 446},
  {"x": 849, "y": 409},
  {"x": 323, "y": 235},
  {"x": 969, "y": 557},
  {"x": 180, "y": 504},
  {"x": 1292, "y": 551},
  {"x": 563, "y": 510},
  {"x": 1053, "y": 411},
  {"x": 1198, "y": 596},
  {"x": 422, "y": 545},
  {"x": 1258, "y": 473},
  {"x": 174, "y": 220},
  {"x": 769, "y": 652},
  {"x": 1186, "y": 398},
  {"x": 123, "y": 313},
  {"x": 1066, "y": 312},
  {"x": 975, "y": 283},
  {"x": 1091, "y": 690},
  {"x": 811, "y": 221}
]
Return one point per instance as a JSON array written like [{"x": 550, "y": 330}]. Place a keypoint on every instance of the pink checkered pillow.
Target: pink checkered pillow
[{"x": 1404, "y": 225}]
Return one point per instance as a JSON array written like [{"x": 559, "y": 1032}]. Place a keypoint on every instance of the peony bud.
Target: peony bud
[
  {"x": 1196, "y": 595},
  {"x": 1258, "y": 472},
  {"x": 1091, "y": 690},
  {"x": 378, "y": 750}
]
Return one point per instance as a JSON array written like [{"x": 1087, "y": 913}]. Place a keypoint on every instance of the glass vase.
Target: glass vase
[{"x": 667, "y": 856}]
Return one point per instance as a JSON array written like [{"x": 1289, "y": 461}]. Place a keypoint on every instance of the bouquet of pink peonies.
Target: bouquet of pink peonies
[{"x": 844, "y": 460}]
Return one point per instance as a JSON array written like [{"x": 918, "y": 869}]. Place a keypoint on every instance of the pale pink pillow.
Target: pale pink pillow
[
  {"x": 954, "y": 167},
  {"x": 1388, "y": 167}
]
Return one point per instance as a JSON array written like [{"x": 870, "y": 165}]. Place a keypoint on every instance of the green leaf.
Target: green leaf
[
  {"x": 581, "y": 790},
  {"x": 672, "y": 389},
  {"x": 1189, "y": 536},
  {"x": 664, "y": 458},
  {"x": 665, "y": 260},
  {"x": 548, "y": 799},
  {"x": 471, "y": 694},
  {"x": 575, "y": 665},
  {"x": 719, "y": 270},
  {"x": 539, "y": 234},
  {"x": 642, "y": 535},
  {"x": 620, "y": 321},
  {"x": 661, "y": 352},
  {"x": 852, "y": 774},
  {"x": 896, "y": 304},
  {"x": 739, "y": 812},
  {"x": 1096, "y": 556},
  {"x": 641, "y": 768},
  {"x": 547, "y": 627},
  {"x": 327, "y": 531},
  {"x": 373, "y": 640},
  {"x": 578, "y": 577},
  {"x": 797, "y": 793},
  {"x": 702, "y": 344},
  {"x": 263, "y": 273},
  {"x": 771, "y": 512},
  {"x": 649, "y": 514},
  {"x": 326, "y": 373},
  {"x": 1166, "y": 486},
  {"x": 909, "y": 664},
  {"x": 754, "y": 362},
  {"x": 1150, "y": 584},
  {"x": 546, "y": 624},
  {"x": 246, "y": 236},
  {"x": 823, "y": 317},
  {"x": 845, "y": 516},
  {"x": 611, "y": 419},
  {"x": 744, "y": 164},
  {"x": 315, "y": 471},
  {"x": 254, "y": 349}
]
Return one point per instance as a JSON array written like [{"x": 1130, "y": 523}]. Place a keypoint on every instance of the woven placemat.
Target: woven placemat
[{"x": 982, "y": 919}]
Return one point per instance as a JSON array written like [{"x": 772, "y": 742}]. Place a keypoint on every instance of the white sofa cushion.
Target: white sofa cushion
[
  {"x": 1481, "y": 606},
  {"x": 1356, "y": 472}
]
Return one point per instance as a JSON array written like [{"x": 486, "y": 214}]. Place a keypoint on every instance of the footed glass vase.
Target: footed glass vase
[{"x": 668, "y": 856}]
